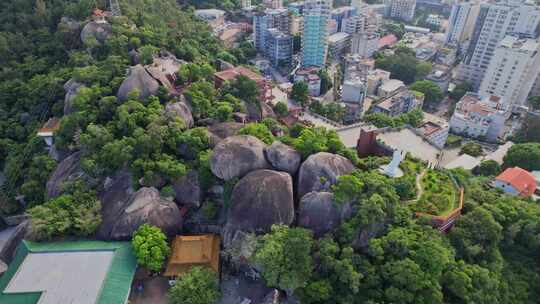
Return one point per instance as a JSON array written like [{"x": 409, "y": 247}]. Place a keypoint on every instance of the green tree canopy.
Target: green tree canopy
[
  {"x": 525, "y": 156},
  {"x": 300, "y": 93},
  {"x": 432, "y": 92},
  {"x": 198, "y": 286},
  {"x": 284, "y": 255},
  {"x": 150, "y": 246}
]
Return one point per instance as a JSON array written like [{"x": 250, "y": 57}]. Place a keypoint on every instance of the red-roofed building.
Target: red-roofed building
[
  {"x": 48, "y": 129},
  {"x": 516, "y": 181},
  {"x": 387, "y": 41},
  {"x": 220, "y": 78}
]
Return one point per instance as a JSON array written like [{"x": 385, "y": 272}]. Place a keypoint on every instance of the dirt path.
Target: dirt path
[{"x": 419, "y": 188}]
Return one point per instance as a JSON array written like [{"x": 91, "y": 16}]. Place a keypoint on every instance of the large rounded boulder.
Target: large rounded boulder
[
  {"x": 320, "y": 171},
  {"x": 67, "y": 170},
  {"x": 139, "y": 80},
  {"x": 98, "y": 30},
  {"x": 71, "y": 87},
  {"x": 220, "y": 131},
  {"x": 236, "y": 156},
  {"x": 181, "y": 110},
  {"x": 319, "y": 213},
  {"x": 261, "y": 199},
  {"x": 188, "y": 190},
  {"x": 145, "y": 206},
  {"x": 283, "y": 157}
]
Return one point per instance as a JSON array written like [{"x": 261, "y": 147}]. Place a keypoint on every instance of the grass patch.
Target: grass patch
[{"x": 439, "y": 196}]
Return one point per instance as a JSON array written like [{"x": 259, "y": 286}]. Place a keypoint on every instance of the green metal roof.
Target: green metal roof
[{"x": 117, "y": 283}]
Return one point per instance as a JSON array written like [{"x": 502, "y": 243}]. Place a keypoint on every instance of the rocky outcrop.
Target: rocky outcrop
[
  {"x": 220, "y": 131},
  {"x": 320, "y": 171},
  {"x": 98, "y": 30},
  {"x": 261, "y": 199},
  {"x": 67, "y": 170},
  {"x": 188, "y": 189},
  {"x": 181, "y": 110},
  {"x": 134, "y": 57},
  {"x": 235, "y": 156},
  {"x": 10, "y": 238},
  {"x": 121, "y": 219},
  {"x": 267, "y": 111},
  {"x": 283, "y": 157},
  {"x": 319, "y": 213},
  {"x": 71, "y": 87},
  {"x": 139, "y": 80}
]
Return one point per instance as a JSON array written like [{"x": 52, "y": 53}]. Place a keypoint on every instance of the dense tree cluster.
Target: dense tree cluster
[
  {"x": 403, "y": 65},
  {"x": 413, "y": 119}
]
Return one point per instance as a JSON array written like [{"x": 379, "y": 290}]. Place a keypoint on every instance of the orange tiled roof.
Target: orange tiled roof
[
  {"x": 52, "y": 125},
  {"x": 387, "y": 40},
  {"x": 231, "y": 74},
  {"x": 522, "y": 180},
  {"x": 189, "y": 251}
]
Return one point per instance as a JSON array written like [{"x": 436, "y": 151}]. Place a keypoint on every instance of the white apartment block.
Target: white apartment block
[
  {"x": 480, "y": 116},
  {"x": 513, "y": 70},
  {"x": 400, "y": 9},
  {"x": 461, "y": 22},
  {"x": 495, "y": 21}
]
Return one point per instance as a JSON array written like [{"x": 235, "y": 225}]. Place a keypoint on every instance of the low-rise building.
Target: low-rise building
[
  {"x": 440, "y": 75},
  {"x": 435, "y": 133},
  {"x": 354, "y": 90},
  {"x": 375, "y": 78},
  {"x": 446, "y": 56},
  {"x": 338, "y": 44},
  {"x": 434, "y": 20},
  {"x": 480, "y": 116},
  {"x": 402, "y": 102},
  {"x": 265, "y": 88},
  {"x": 311, "y": 77},
  {"x": 191, "y": 251},
  {"x": 357, "y": 66},
  {"x": 387, "y": 41},
  {"x": 516, "y": 181},
  {"x": 390, "y": 87}
]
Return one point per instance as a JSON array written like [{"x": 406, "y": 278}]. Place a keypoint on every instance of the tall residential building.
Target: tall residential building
[
  {"x": 495, "y": 21},
  {"x": 270, "y": 18},
  {"x": 363, "y": 31},
  {"x": 401, "y": 9},
  {"x": 365, "y": 45},
  {"x": 280, "y": 48},
  {"x": 513, "y": 70},
  {"x": 341, "y": 13},
  {"x": 274, "y": 4},
  {"x": 314, "y": 36},
  {"x": 338, "y": 44},
  {"x": 461, "y": 22}
]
